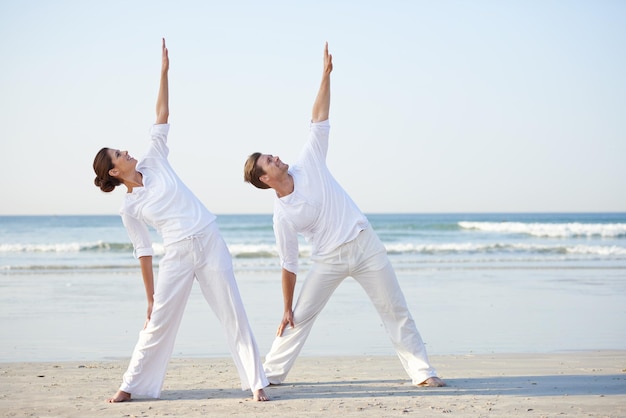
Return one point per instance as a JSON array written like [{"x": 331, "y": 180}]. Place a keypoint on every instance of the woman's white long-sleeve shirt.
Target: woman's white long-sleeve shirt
[{"x": 164, "y": 202}]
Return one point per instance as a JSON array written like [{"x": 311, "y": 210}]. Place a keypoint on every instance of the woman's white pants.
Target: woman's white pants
[
  {"x": 365, "y": 259},
  {"x": 204, "y": 257}
]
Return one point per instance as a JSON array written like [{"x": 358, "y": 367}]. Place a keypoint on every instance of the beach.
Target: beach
[
  {"x": 522, "y": 348},
  {"x": 524, "y": 318},
  {"x": 571, "y": 384}
]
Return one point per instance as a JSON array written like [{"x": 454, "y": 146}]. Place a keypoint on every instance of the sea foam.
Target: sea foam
[{"x": 551, "y": 230}]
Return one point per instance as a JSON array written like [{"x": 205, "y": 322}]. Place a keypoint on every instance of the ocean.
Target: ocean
[
  {"x": 474, "y": 282},
  {"x": 414, "y": 241}
]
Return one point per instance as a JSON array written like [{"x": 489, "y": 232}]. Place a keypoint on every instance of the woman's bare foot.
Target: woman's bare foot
[
  {"x": 433, "y": 382},
  {"x": 259, "y": 395},
  {"x": 120, "y": 396}
]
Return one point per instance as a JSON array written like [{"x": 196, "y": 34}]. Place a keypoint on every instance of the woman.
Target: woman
[{"x": 194, "y": 248}]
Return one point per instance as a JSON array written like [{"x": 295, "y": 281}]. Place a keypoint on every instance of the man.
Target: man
[{"x": 309, "y": 201}]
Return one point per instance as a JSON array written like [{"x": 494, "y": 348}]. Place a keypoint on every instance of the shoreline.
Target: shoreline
[
  {"x": 457, "y": 312},
  {"x": 577, "y": 383}
]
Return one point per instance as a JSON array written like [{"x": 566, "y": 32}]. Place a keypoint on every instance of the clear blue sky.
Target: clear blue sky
[{"x": 437, "y": 106}]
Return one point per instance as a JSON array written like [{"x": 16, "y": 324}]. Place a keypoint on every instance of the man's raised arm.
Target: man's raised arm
[{"x": 321, "y": 107}]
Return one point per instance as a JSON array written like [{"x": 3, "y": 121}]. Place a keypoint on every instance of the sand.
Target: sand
[{"x": 588, "y": 383}]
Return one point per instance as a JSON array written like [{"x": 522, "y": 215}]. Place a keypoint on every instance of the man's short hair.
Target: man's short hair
[{"x": 252, "y": 172}]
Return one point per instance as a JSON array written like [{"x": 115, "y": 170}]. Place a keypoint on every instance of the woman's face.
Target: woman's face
[{"x": 122, "y": 162}]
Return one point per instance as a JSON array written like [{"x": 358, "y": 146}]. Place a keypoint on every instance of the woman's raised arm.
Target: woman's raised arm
[{"x": 162, "y": 106}]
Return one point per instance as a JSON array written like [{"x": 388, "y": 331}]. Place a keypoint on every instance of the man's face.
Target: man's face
[{"x": 272, "y": 166}]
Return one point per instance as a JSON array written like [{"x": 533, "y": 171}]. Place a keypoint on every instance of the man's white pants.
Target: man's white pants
[
  {"x": 204, "y": 257},
  {"x": 365, "y": 259}
]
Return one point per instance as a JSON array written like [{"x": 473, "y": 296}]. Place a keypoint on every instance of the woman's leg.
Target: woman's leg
[
  {"x": 214, "y": 272},
  {"x": 148, "y": 364}
]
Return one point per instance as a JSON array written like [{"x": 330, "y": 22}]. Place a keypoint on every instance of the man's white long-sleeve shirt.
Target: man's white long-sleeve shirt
[{"x": 318, "y": 208}]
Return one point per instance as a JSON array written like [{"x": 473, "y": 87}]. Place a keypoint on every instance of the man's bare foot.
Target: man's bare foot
[
  {"x": 259, "y": 395},
  {"x": 120, "y": 396},
  {"x": 433, "y": 382}
]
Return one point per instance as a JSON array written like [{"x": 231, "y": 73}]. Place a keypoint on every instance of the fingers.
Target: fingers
[
  {"x": 283, "y": 325},
  {"x": 328, "y": 59},
  {"x": 281, "y": 328},
  {"x": 165, "y": 59}
]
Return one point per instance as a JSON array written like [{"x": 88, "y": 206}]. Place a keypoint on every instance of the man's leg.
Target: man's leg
[
  {"x": 319, "y": 285},
  {"x": 377, "y": 277}
]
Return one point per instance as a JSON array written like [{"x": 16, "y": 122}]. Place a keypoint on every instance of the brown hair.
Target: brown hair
[
  {"x": 252, "y": 172},
  {"x": 101, "y": 165}
]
